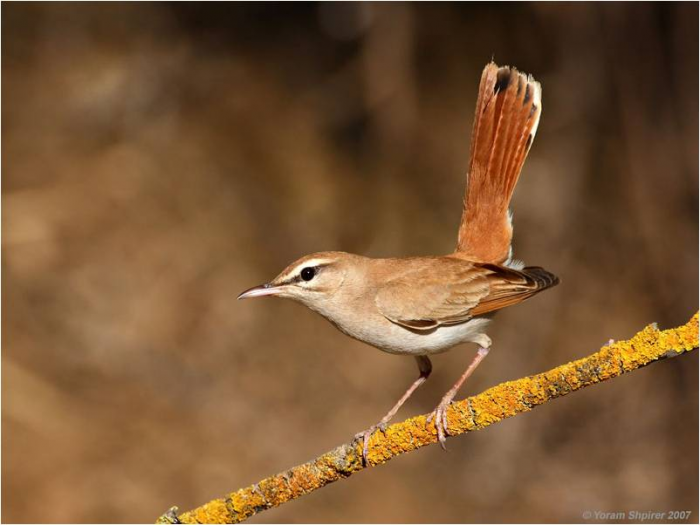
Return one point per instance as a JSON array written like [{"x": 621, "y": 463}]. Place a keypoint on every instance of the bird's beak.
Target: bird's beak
[{"x": 259, "y": 291}]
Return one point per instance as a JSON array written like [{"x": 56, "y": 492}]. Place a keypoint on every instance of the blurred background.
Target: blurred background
[{"x": 158, "y": 159}]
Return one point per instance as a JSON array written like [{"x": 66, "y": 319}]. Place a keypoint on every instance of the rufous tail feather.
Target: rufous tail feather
[{"x": 508, "y": 110}]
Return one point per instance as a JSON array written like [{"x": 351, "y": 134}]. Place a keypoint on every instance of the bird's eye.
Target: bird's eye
[{"x": 308, "y": 273}]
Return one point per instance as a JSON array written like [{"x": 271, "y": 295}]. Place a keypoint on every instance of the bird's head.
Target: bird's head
[{"x": 311, "y": 280}]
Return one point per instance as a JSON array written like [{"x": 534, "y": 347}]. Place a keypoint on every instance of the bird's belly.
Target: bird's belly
[{"x": 396, "y": 339}]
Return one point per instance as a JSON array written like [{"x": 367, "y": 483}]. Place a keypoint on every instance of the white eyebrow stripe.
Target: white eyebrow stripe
[
  {"x": 310, "y": 262},
  {"x": 315, "y": 262}
]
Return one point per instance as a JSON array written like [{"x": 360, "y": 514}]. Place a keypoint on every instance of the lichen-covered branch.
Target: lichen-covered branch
[{"x": 477, "y": 412}]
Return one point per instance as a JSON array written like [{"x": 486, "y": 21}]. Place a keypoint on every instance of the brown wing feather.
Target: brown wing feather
[
  {"x": 508, "y": 287},
  {"x": 430, "y": 295},
  {"x": 453, "y": 291},
  {"x": 507, "y": 113}
]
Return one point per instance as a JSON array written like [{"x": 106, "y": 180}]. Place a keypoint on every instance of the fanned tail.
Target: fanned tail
[{"x": 508, "y": 111}]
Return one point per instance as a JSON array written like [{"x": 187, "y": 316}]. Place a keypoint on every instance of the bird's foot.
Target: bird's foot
[
  {"x": 366, "y": 434},
  {"x": 439, "y": 416}
]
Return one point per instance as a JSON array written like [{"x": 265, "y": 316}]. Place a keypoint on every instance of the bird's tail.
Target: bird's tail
[{"x": 508, "y": 110}]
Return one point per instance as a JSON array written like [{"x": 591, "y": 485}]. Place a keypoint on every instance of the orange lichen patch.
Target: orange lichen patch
[
  {"x": 399, "y": 439},
  {"x": 506, "y": 401},
  {"x": 275, "y": 489},
  {"x": 485, "y": 412},
  {"x": 569, "y": 377},
  {"x": 684, "y": 337},
  {"x": 650, "y": 344},
  {"x": 213, "y": 512},
  {"x": 302, "y": 479},
  {"x": 477, "y": 412},
  {"x": 330, "y": 466},
  {"x": 639, "y": 350},
  {"x": 531, "y": 391},
  {"x": 245, "y": 503},
  {"x": 607, "y": 362},
  {"x": 459, "y": 418}
]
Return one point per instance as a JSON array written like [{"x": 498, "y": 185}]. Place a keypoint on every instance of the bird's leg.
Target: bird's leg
[
  {"x": 440, "y": 413},
  {"x": 425, "y": 367}
]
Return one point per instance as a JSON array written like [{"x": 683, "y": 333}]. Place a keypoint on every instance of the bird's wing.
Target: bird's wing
[
  {"x": 508, "y": 287},
  {"x": 450, "y": 294},
  {"x": 508, "y": 110}
]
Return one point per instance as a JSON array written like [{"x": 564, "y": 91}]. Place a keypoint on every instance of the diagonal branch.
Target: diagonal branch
[{"x": 477, "y": 412}]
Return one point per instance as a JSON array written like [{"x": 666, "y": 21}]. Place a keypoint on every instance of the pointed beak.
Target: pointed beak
[{"x": 259, "y": 291}]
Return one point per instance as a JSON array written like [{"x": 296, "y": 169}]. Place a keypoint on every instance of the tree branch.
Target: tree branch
[{"x": 477, "y": 412}]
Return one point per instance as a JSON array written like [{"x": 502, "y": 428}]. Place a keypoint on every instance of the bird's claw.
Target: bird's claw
[
  {"x": 439, "y": 415},
  {"x": 366, "y": 434}
]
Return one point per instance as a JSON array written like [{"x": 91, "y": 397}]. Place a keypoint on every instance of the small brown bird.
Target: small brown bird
[{"x": 421, "y": 306}]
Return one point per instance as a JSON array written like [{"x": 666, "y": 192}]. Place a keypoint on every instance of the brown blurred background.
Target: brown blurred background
[{"x": 158, "y": 159}]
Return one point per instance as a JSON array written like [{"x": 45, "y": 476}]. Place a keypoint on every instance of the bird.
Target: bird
[{"x": 422, "y": 306}]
